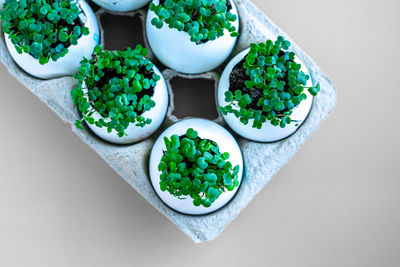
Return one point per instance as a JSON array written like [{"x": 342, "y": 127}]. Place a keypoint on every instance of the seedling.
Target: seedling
[
  {"x": 118, "y": 86},
  {"x": 45, "y": 29},
  {"x": 273, "y": 86},
  {"x": 192, "y": 166},
  {"x": 203, "y": 20}
]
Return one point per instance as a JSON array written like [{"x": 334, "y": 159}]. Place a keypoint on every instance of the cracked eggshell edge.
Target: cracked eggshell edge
[{"x": 175, "y": 50}]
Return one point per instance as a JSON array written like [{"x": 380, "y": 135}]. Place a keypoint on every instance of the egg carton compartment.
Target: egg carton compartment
[{"x": 190, "y": 96}]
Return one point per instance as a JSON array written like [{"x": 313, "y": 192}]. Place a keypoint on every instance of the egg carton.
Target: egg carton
[{"x": 262, "y": 160}]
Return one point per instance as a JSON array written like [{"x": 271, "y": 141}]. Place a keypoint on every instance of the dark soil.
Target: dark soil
[
  {"x": 236, "y": 82},
  {"x": 70, "y": 29},
  {"x": 229, "y": 5}
]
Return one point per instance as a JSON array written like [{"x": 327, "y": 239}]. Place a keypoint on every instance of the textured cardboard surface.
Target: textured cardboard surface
[{"x": 131, "y": 162}]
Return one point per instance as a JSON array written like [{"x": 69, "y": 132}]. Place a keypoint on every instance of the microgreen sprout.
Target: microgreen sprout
[
  {"x": 273, "y": 87},
  {"x": 203, "y": 20},
  {"x": 192, "y": 166},
  {"x": 45, "y": 29},
  {"x": 117, "y": 85}
]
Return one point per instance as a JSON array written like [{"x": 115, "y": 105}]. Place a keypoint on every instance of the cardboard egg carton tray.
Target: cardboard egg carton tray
[{"x": 262, "y": 160}]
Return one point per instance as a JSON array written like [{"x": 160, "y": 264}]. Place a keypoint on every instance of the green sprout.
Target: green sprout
[
  {"x": 273, "y": 85},
  {"x": 118, "y": 85},
  {"x": 195, "y": 167},
  {"x": 45, "y": 29},
  {"x": 203, "y": 20}
]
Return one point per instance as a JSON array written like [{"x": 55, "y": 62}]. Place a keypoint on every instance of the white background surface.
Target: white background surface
[{"x": 335, "y": 204}]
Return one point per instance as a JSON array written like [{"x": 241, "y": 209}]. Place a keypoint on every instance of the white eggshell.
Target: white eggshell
[
  {"x": 175, "y": 50},
  {"x": 68, "y": 64},
  {"x": 207, "y": 130},
  {"x": 268, "y": 132},
  {"x": 121, "y": 5},
  {"x": 136, "y": 133}
]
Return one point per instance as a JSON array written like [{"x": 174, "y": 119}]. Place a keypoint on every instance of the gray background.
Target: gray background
[{"x": 335, "y": 204}]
